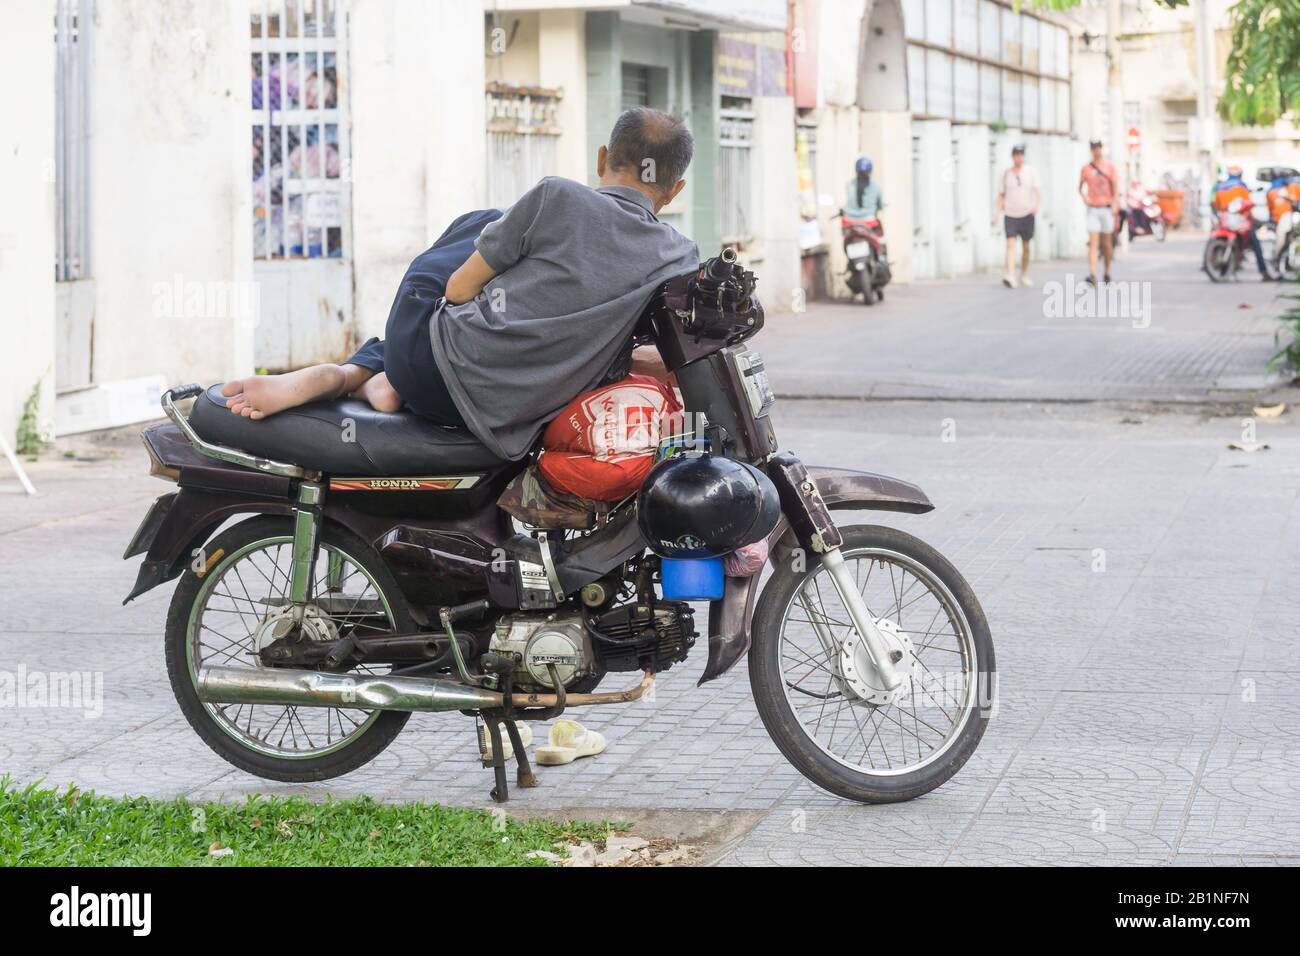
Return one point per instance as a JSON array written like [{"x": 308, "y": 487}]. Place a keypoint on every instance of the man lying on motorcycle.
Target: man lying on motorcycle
[{"x": 510, "y": 315}]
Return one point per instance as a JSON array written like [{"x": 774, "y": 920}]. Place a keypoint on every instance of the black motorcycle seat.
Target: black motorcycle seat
[{"x": 316, "y": 436}]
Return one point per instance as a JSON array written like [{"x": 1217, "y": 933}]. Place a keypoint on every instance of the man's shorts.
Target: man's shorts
[
  {"x": 1020, "y": 227},
  {"x": 1101, "y": 219}
]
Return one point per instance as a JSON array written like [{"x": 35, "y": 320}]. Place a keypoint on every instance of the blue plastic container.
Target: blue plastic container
[{"x": 692, "y": 579}]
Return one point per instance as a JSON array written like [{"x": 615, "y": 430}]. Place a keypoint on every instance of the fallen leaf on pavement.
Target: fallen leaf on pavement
[{"x": 1248, "y": 446}]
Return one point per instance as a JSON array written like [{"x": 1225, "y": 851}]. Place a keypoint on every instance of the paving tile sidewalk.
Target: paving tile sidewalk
[{"x": 1148, "y": 713}]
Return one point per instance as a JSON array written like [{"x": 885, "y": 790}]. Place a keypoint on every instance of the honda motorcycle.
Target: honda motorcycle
[
  {"x": 868, "y": 258},
  {"x": 1286, "y": 244},
  {"x": 1228, "y": 242},
  {"x": 339, "y": 569}
]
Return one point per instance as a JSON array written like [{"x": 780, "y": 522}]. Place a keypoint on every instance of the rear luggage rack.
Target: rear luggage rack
[{"x": 221, "y": 452}]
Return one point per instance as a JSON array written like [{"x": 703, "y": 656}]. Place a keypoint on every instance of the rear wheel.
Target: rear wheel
[
  {"x": 227, "y": 612},
  {"x": 806, "y": 669},
  {"x": 1218, "y": 258}
]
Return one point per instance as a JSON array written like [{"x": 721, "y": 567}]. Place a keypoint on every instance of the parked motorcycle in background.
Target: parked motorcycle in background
[{"x": 864, "y": 246}]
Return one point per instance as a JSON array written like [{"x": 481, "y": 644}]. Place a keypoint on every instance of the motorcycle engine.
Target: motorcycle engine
[{"x": 535, "y": 640}]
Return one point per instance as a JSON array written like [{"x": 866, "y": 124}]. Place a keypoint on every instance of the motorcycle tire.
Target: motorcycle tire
[
  {"x": 190, "y": 599},
  {"x": 1217, "y": 260},
  {"x": 769, "y": 682},
  {"x": 1158, "y": 230}
]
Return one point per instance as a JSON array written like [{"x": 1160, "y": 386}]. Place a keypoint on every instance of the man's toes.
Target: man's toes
[
  {"x": 247, "y": 411},
  {"x": 236, "y": 406},
  {"x": 256, "y": 416},
  {"x": 232, "y": 388},
  {"x": 234, "y": 400}
]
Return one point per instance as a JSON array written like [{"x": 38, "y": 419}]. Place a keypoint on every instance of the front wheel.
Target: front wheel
[
  {"x": 1218, "y": 258},
  {"x": 807, "y": 669}
]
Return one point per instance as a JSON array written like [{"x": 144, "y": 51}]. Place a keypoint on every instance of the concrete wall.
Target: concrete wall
[
  {"x": 169, "y": 167},
  {"x": 885, "y": 136},
  {"x": 27, "y": 225},
  {"x": 776, "y": 251},
  {"x": 414, "y": 165},
  {"x": 562, "y": 64}
]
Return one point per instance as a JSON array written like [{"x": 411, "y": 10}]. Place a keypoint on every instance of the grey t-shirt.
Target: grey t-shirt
[{"x": 575, "y": 267}]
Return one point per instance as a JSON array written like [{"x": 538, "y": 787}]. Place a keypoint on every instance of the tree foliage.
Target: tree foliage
[{"x": 1262, "y": 80}]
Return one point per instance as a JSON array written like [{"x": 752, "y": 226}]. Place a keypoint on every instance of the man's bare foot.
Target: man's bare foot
[
  {"x": 257, "y": 396},
  {"x": 380, "y": 394}
]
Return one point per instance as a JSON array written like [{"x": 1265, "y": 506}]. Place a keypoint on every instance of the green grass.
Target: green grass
[{"x": 43, "y": 827}]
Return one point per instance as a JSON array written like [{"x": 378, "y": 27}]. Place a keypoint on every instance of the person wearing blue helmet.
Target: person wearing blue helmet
[{"x": 863, "y": 201}]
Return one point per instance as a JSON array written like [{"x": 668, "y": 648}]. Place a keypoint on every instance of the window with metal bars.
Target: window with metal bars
[
  {"x": 522, "y": 132},
  {"x": 299, "y": 144},
  {"x": 72, "y": 22},
  {"x": 735, "y": 173}
]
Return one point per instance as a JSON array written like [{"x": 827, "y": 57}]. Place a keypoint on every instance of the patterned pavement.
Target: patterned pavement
[{"x": 1148, "y": 713}]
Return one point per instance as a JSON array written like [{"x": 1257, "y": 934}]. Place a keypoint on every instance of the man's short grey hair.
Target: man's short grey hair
[{"x": 656, "y": 146}]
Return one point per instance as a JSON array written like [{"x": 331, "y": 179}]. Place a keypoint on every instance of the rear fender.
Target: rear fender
[
  {"x": 190, "y": 518},
  {"x": 841, "y": 489}
]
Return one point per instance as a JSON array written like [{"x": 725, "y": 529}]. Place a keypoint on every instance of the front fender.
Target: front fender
[{"x": 841, "y": 489}]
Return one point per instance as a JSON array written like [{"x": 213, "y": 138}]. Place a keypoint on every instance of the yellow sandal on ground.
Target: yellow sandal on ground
[{"x": 567, "y": 741}]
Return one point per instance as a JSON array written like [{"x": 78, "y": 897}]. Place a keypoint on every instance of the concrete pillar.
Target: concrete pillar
[
  {"x": 417, "y": 158},
  {"x": 932, "y": 246},
  {"x": 27, "y": 245},
  {"x": 839, "y": 138},
  {"x": 703, "y": 118},
  {"x": 562, "y": 63},
  {"x": 976, "y": 177},
  {"x": 886, "y": 136},
  {"x": 777, "y": 202},
  {"x": 604, "y": 81}
]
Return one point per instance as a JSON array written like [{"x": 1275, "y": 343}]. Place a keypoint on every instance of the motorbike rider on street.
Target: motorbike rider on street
[
  {"x": 864, "y": 199},
  {"x": 510, "y": 315},
  {"x": 1229, "y": 189}
]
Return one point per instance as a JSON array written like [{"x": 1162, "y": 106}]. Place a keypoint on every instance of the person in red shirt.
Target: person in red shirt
[{"x": 1099, "y": 187}]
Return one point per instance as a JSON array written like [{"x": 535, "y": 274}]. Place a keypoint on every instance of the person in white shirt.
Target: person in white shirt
[{"x": 1018, "y": 199}]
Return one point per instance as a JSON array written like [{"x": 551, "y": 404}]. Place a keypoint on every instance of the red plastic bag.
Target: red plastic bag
[{"x": 602, "y": 445}]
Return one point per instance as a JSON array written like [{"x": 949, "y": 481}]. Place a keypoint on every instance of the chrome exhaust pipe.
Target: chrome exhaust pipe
[{"x": 302, "y": 688}]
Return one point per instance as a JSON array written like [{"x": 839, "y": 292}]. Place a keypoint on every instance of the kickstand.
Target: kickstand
[
  {"x": 524, "y": 776},
  {"x": 501, "y": 792}
]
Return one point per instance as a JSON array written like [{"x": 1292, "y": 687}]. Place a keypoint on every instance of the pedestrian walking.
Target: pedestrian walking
[{"x": 1019, "y": 197}]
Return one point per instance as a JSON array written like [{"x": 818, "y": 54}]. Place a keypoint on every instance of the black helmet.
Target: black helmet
[{"x": 703, "y": 506}]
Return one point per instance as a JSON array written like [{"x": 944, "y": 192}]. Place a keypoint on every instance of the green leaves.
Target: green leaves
[
  {"x": 43, "y": 827},
  {"x": 1262, "y": 79}
]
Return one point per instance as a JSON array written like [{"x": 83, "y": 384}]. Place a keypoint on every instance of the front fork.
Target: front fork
[{"x": 811, "y": 521}]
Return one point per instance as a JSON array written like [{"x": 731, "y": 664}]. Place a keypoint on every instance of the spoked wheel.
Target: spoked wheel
[
  {"x": 235, "y": 608},
  {"x": 1288, "y": 258},
  {"x": 1218, "y": 259},
  {"x": 817, "y": 692}
]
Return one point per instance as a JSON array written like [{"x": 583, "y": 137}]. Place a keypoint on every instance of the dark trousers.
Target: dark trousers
[{"x": 405, "y": 353}]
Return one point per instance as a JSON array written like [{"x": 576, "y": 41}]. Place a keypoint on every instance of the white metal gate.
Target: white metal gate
[
  {"x": 301, "y": 196},
  {"x": 522, "y": 133},
  {"x": 735, "y": 176}
]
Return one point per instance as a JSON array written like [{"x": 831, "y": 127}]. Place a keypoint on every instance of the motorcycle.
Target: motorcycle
[
  {"x": 1286, "y": 246},
  {"x": 339, "y": 569},
  {"x": 1228, "y": 242},
  {"x": 1153, "y": 221},
  {"x": 868, "y": 258}
]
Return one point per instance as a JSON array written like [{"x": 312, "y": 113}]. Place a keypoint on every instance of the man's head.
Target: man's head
[
  {"x": 1098, "y": 151},
  {"x": 648, "y": 150},
  {"x": 1017, "y": 156}
]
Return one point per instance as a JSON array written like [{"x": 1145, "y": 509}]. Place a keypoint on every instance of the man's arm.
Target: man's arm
[{"x": 469, "y": 280}]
